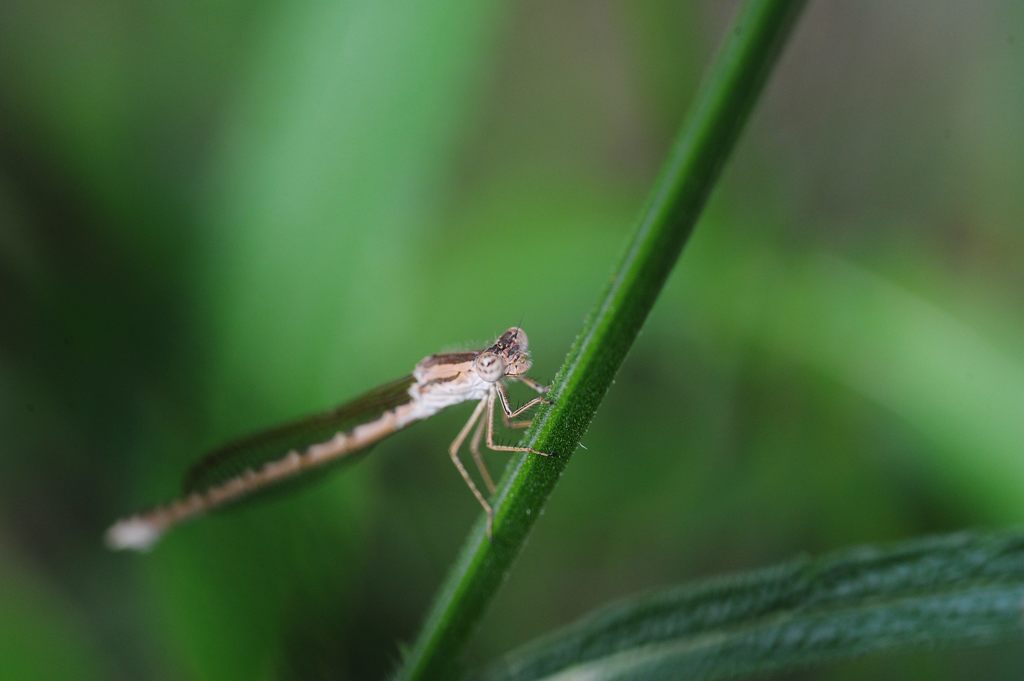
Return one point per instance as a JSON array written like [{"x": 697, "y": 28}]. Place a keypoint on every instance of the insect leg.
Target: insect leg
[
  {"x": 474, "y": 448},
  {"x": 453, "y": 452},
  {"x": 490, "y": 426},
  {"x": 507, "y": 414},
  {"x": 542, "y": 389}
]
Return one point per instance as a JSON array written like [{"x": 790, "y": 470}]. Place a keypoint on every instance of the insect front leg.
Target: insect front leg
[
  {"x": 537, "y": 387},
  {"x": 509, "y": 413}
]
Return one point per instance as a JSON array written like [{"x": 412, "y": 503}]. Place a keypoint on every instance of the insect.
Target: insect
[{"x": 268, "y": 459}]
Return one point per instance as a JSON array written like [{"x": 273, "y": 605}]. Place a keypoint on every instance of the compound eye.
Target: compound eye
[
  {"x": 490, "y": 366},
  {"x": 519, "y": 337}
]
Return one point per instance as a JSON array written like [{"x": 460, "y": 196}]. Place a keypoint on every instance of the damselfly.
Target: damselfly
[{"x": 287, "y": 452}]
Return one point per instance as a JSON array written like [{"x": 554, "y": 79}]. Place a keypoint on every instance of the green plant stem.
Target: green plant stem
[{"x": 706, "y": 138}]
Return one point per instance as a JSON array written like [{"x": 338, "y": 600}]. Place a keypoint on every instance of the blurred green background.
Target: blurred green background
[{"x": 214, "y": 217}]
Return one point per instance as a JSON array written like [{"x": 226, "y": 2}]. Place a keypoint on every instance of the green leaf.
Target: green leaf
[
  {"x": 953, "y": 590},
  {"x": 702, "y": 147}
]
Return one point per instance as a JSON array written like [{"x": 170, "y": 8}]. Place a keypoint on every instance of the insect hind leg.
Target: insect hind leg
[{"x": 453, "y": 452}]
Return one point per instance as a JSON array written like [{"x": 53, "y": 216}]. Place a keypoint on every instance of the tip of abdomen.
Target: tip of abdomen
[{"x": 135, "y": 534}]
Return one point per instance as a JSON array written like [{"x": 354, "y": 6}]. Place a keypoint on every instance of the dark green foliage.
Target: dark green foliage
[
  {"x": 216, "y": 216},
  {"x": 963, "y": 588}
]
